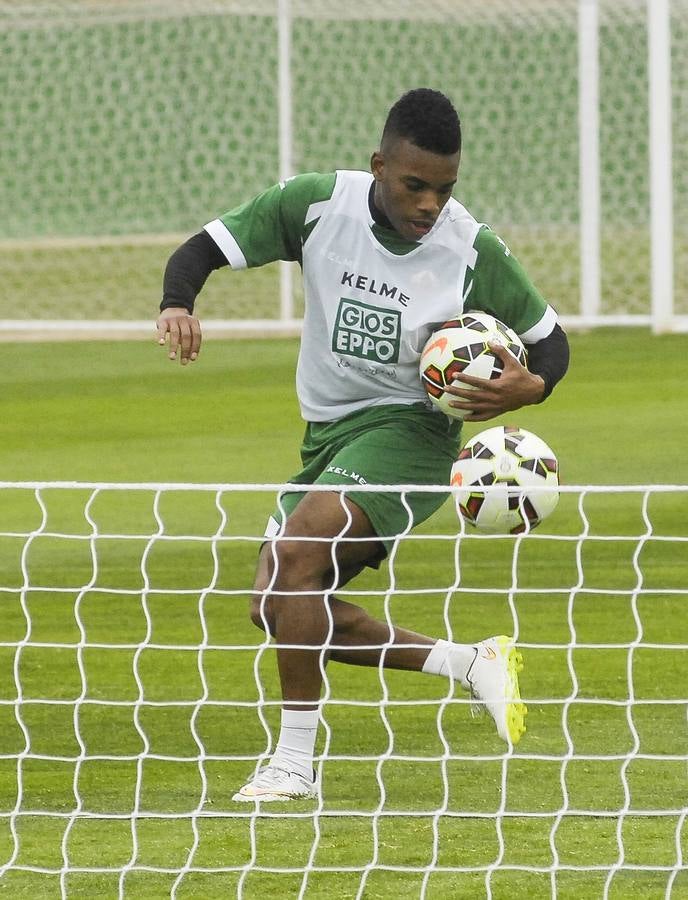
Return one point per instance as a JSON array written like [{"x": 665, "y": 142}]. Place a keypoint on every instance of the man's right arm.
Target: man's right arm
[
  {"x": 185, "y": 274},
  {"x": 272, "y": 226},
  {"x": 188, "y": 269}
]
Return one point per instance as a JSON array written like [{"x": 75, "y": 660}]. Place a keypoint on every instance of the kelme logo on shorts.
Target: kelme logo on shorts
[{"x": 367, "y": 332}]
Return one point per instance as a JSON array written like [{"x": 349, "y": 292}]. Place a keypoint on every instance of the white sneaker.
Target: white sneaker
[
  {"x": 492, "y": 679},
  {"x": 271, "y": 784}
]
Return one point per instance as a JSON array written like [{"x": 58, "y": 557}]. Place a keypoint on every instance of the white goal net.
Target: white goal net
[{"x": 136, "y": 697}]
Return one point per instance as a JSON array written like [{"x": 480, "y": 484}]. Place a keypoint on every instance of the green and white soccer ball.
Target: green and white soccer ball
[
  {"x": 461, "y": 346},
  {"x": 520, "y": 472}
]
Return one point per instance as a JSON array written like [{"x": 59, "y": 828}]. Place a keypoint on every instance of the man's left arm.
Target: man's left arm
[
  {"x": 517, "y": 386},
  {"x": 501, "y": 287},
  {"x": 549, "y": 358}
]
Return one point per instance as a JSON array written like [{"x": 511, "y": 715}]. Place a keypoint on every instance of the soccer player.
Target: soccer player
[{"x": 387, "y": 256}]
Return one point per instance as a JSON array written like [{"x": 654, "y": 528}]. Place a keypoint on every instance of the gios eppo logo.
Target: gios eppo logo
[{"x": 367, "y": 332}]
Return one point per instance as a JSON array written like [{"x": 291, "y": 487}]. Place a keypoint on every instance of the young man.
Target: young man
[{"x": 386, "y": 258}]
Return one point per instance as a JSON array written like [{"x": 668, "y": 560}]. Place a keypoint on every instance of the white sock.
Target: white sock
[
  {"x": 447, "y": 658},
  {"x": 297, "y": 741}
]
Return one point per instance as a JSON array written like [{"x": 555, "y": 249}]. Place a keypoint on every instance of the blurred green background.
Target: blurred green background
[{"x": 131, "y": 120}]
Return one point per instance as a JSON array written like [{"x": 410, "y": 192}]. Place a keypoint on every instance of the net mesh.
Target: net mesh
[
  {"x": 135, "y": 697},
  {"x": 128, "y": 125}
]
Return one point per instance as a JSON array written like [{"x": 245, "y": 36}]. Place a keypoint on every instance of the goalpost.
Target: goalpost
[
  {"x": 135, "y": 696},
  {"x": 133, "y": 123}
]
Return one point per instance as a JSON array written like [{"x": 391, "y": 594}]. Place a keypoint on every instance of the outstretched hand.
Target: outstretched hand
[
  {"x": 184, "y": 332},
  {"x": 485, "y": 398}
]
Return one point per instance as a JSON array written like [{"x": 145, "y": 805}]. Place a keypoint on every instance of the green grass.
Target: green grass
[{"x": 119, "y": 412}]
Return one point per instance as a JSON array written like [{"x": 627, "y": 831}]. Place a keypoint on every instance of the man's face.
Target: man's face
[{"x": 412, "y": 185}]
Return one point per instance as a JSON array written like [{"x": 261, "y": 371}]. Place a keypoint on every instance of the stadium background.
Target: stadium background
[{"x": 131, "y": 121}]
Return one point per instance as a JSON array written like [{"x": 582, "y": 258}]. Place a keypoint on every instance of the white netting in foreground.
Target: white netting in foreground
[{"x": 136, "y": 696}]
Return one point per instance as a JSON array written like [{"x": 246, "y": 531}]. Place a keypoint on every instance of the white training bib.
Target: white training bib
[{"x": 369, "y": 311}]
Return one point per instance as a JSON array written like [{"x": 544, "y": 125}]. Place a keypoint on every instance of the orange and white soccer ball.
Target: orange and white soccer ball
[
  {"x": 462, "y": 345},
  {"x": 520, "y": 472}
]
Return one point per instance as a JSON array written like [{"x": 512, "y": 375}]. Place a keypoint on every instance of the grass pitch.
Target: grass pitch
[{"x": 111, "y": 679}]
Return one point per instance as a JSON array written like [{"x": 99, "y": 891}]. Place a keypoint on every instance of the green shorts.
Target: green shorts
[{"x": 394, "y": 444}]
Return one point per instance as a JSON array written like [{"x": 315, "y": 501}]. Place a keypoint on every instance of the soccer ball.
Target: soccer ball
[
  {"x": 461, "y": 345},
  {"x": 515, "y": 461}
]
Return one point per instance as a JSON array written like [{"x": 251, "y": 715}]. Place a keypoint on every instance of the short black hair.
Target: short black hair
[{"x": 426, "y": 118}]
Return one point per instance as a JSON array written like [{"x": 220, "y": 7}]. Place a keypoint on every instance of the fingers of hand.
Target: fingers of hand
[
  {"x": 475, "y": 390},
  {"x": 184, "y": 337},
  {"x": 196, "y": 338},
  {"x": 509, "y": 361},
  {"x": 162, "y": 326},
  {"x": 477, "y": 408},
  {"x": 464, "y": 385},
  {"x": 185, "y": 340},
  {"x": 480, "y": 417},
  {"x": 175, "y": 338},
  {"x": 477, "y": 404},
  {"x": 167, "y": 326},
  {"x": 191, "y": 340},
  {"x": 467, "y": 400},
  {"x": 484, "y": 398},
  {"x": 474, "y": 409}
]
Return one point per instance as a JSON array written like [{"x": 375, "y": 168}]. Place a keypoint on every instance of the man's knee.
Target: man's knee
[
  {"x": 293, "y": 565},
  {"x": 282, "y": 566},
  {"x": 261, "y": 612}
]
